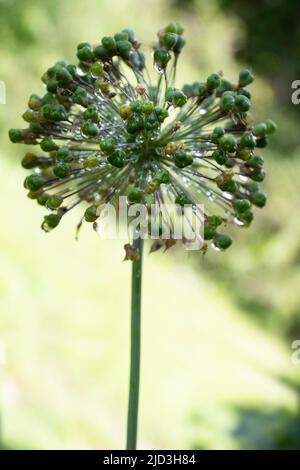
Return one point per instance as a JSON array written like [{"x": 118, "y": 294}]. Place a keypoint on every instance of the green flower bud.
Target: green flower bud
[
  {"x": 179, "y": 99},
  {"x": 242, "y": 104},
  {"x": 135, "y": 195},
  {"x": 124, "y": 48},
  {"x": 121, "y": 36},
  {"x": 29, "y": 116},
  {"x": 209, "y": 232},
  {"x": 228, "y": 143},
  {"x": 85, "y": 53},
  {"x": 241, "y": 205},
  {"x": 255, "y": 161},
  {"x": 213, "y": 81},
  {"x": 271, "y": 126},
  {"x": 202, "y": 89},
  {"x": 61, "y": 170},
  {"x": 222, "y": 241},
  {"x": 91, "y": 214},
  {"x": 97, "y": 70},
  {"x": 227, "y": 102},
  {"x": 52, "y": 86},
  {"x": 257, "y": 174},
  {"x": 80, "y": 97},
  {"x": 162, "y": 177},
  {"x": 179, "y": 45},
  {"x": 117, "y": 159},
  {"x": 182, "y": 159},
  {"x": 214, "y": 220},
  {"x": 260, "y": 130},
  {"x": 34, "y": 102},
  {"x": 109, "y": 43},
  {"x": 170, "y": 40},
  {"x": 135, "y": 124},
  {"x": 259, "y": 199},
  {"x": 101, "y": 53},
  {"x": 147, "y": 107},
  {"x": 217, "y": 133},
  {"x": 172, "y": 28},
  {"x": 183, "y": 199},
  {"x": 244, "y": 92},
  {"x": 91, "y": 114},
  {"x": 34, "y": 182},
  {"x": 53, "y": 202},
  {"x": 63, "y": 154},
  {"x": 51, "y": 221},
  {"x": 16, "y": 135},
  {"x": 63, "y": 76},
  {"x": 219, "y": 156},
  {"x": 246, "y": 216},
  {"x": 136, "y": 106},
  {"x": 161, "y": 57},
  {"x": 225, "y": 85},
  {"x": 89, "y": 129},
  {"x": 130, "y": 35},
  {"x": 30, "y": 161},
  {"x": 42, "y": 199},
  {"x": 262, "y": 142},
  {"x": 108, "y": 145},
  {"x": 245, "y": 78},
  {"x": 247, "y": 141},
  {"x": 48, "y": 145}
]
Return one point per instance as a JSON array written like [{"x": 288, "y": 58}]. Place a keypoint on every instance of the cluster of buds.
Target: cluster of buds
[{"x": 103, "y": 130}]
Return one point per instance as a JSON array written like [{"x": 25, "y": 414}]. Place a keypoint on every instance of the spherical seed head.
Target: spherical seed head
[{"x": 102, "y": 134}]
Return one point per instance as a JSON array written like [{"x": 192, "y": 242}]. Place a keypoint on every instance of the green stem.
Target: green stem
[{"x": 132, "y": 421}]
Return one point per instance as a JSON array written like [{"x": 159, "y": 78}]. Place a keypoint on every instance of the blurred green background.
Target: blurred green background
[{"x": 217, "y": 332}]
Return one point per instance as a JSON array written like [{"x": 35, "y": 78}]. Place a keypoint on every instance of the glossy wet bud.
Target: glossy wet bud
[
  {"x": 170, "y": 40},
  {"x": 222, "y": 241},
  {"x": 48, "y": 145},
  {"x": 123, "y": 36},
  {"x": 271, "y": 126},
  {"x": 63, "y": 154},
  {"x": 227, "y": 102},
  {"x": 101, "y": 53},
  {"x": 97, "y": 70},
  {"x": 53, "y": 202},
  {"x": 262, "y": 142},
  {"x": 202, "y": 90},
  {"x": 29, "y": 116},
  {"x": 162, "y": 177},
  {"x": 135, "y": 123},
  {"x": 179, "y": 45},
  {"x": 217, "y": 133},
  {"x": 91, "y": 114},
  {"x": 219, "y": 156},
  {"x": 214, "y": 220},
  {"x": 61, "y": 170},
  {"x": 225, "y": 85},
  {"x": 35, "y": 102},
  {"x": 91, "y": 214},
  {"x": 183, "y": 199},
  {"x": 125, "y": 111},
  {"x": 213, "y": 81},
  {"x": 34, "y": 182},
  {"x": 124, "y": 48},
  {"x": 257, "y": 174},
  {"x": 108, "y": 144},
  {"x": 136, "y": 106},
  {"x": 247, "y": 140},
  {"x": 89, "y": 129},
  {"x": 260, "y": 130},
  {"x": 241, "y": 205},
  {"x": 85, "y": 53},
  {"x": 246, "y": 216},
  {"x": 209, "y": 232},
  {"x": 256, "y": 161},
  {"x": 16, "y": 135},
  {"x": 109, "y": 43},
  {"x": 80, "y": 97},
  {"x": 117, "y": 159},
  {"x": 244, "y": 92},
  {"x": 259, "y": 199},
  {"x": 228, "y": 143},
  {"x": 161, "y": 57},
  {"x": 245, "y": 78},
  {"x": 182, "y": 159},
  {"x": 179, "y": 99},
  {"x": 42, "y": 199},
  {"x": 30, "y": 161},
  {"x": 242, "y": 104},
  {"x": 147, "y": 107},
  {"x": 172, "y": 28},
  {"x": 63, "y": 76},
  {"x": 136, "y": 195},
  {"x": 51, "y": 221}
]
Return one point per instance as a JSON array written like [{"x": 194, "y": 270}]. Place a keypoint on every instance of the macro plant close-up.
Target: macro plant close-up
[
  {"x": 174, "y": 149},
  {"x": 103, "y": 133}
]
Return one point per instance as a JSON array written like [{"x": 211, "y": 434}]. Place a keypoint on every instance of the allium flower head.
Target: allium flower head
[{"x": 104, "y": 129}]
